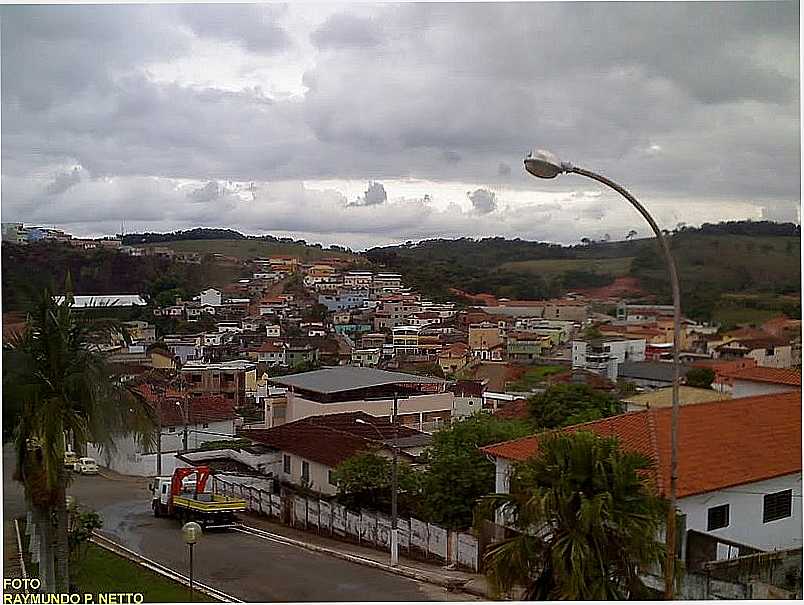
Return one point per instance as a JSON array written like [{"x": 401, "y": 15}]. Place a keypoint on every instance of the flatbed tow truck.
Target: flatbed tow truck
[{"x": 184, "y": 496}]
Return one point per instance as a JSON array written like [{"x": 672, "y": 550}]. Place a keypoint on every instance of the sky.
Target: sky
[{"x": 373, "y": 124}]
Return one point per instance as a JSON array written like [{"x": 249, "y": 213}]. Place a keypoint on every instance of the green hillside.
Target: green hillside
[
  {"x": 250, "y": 248},
  {"x": 718, "y": 266}
]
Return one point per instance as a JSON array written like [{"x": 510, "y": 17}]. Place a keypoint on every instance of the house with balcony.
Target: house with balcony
[
  {"x": 604, "y": 355},
  {"x": 228, "y": 379},
  {"x": 406, "y": 340}
]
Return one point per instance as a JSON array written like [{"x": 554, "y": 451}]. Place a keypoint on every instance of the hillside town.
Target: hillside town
[
  {"x": 277, "y": 380},
  {"x": 401, "y": 302}
]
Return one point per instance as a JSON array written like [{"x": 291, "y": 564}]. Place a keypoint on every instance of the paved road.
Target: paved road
[{"x": 241, "y": 565}]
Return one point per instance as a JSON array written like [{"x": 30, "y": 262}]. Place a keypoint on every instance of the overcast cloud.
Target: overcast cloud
[{"x": 164, "y": 116}]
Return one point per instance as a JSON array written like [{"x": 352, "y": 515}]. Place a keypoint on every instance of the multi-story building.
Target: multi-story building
[
  {"x": 358, "y": 280},
  {"x": 347, "y": 299},
  {"x": 485, "y": 338},
  {"x": 423, "y": 402},
  {"x": 406, "y": 340},
  {"x": 604, "y": 355},
  {"x": 366, "y": 358},
  {"x": 395, "y": 310},
  {"x": 386, "y": 283},
  {"x": 526, "y": 347},
  {"x": 229, "y": 379}
]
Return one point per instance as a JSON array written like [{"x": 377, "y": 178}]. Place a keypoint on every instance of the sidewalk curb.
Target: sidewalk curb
[{"x": 443, "y": 582}]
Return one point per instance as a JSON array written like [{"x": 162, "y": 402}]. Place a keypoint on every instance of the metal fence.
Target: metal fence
[{"x": 417, "y": 539}]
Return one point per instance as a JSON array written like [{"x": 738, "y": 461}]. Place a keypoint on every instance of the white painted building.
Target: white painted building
[
  {"x": 211, "y": 296},
  {"x": 739, "y": 473},
  {"x": 753, "y": 381},
  {"x": 603, "y": 355}
]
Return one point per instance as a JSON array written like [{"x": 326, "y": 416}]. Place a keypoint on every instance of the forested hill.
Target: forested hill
[
  {"x": 716, "y": 260},
  {"x": 27, "y": 269}
]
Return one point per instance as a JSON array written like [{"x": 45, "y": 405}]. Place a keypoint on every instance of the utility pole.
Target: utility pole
[{"x": 394, "y": 488}]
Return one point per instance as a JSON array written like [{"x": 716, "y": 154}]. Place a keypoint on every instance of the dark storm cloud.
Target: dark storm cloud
[
  {"x": 681, "y": 101},
  {"x": 346, "y": 31},
  {"x": 63, "y": 181},
  {"x": 254, "y": 26},
  {"x": 374, "y": 195}
]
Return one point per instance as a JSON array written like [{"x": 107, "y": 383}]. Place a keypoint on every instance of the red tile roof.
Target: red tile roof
[
  {"x": 199, "y": 409},
  {"x": 763, "y": 374},
  {"x": 329, "y": 439},
  {"x": 721, "y": 443}
]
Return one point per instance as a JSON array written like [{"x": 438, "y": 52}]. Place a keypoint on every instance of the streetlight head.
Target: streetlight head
[
  {"x": 191, "y": 532},
  {"x": 544, "y": 165},
  {"x": 360, "y": 421}
]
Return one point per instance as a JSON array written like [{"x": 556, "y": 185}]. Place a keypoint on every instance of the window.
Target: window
[
  {"x": 717, "y": 517},
  {"x": 777, "y": 506},
  {"x": 330, "y": 478},
  {"x": 286, "y": 464},
  {"x": 305, "y": 471}
]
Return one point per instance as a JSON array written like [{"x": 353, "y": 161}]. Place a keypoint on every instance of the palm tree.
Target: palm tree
[
  {"x": 588, "y": 522},
  {"x": 61, "y": 389}
]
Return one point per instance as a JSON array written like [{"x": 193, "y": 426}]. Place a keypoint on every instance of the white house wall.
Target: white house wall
[
  {"x": 748, "y": 388},
  {"x": 129, "y": 458},
  {"x": 745, "y": 510},
  {"x": 745, "y": 513}
]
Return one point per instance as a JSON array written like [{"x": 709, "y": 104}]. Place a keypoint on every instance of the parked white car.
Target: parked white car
[{"x": 86, "y": 466}]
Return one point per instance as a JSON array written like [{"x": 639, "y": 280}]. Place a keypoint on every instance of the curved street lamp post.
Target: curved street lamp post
[{"x": 545, "y": 165}]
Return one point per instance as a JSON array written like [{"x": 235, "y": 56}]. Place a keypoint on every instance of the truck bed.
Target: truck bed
[{"x": 209, "y": 503}]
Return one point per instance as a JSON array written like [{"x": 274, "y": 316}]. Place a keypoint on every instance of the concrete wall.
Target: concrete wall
[
  {"x": 130, "y": 459},
  {"x": 749, "y": 388},
  {"x": 782, "y": 357},
  {"x": 298, "y": 407},
  {"x": 745, "y": 514}
]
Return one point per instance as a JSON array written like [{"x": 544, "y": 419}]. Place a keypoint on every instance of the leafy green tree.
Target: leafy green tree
[
  {"x": 365, "y": 480},
  {"x": 63, "y": 391},
  {"x": 700, "y": 377},
  {"x": 567, "y": 404},
  {"x": 458, "y": 474},
  {"x": 593, "y": 332},
  {"x": 588, "y": 523}
]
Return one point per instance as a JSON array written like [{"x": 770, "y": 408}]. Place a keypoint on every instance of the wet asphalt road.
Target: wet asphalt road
[{"x": 243, "y": 566}]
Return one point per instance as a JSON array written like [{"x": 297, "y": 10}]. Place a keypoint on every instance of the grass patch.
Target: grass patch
[
  {"x": 730, "y": 317},
  {"x": 602, "y": 266},
  {"x": 101, "y": 571},
  {"x": 533, "y": 377}
]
